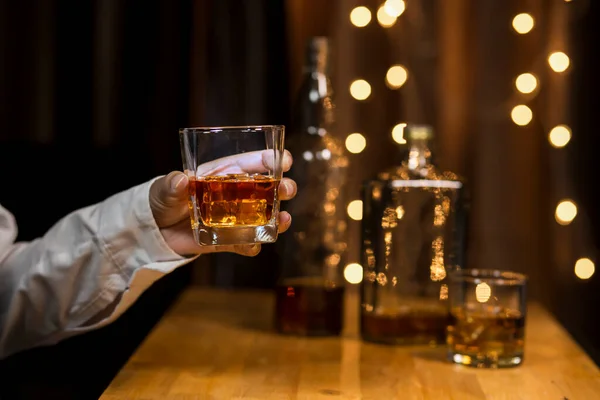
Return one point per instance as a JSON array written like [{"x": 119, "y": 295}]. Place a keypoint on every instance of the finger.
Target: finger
[
  {"x": 168, "y": 198},
  {"x": 286, "y": 161},
  {"x": 171, "y": 188},
  {"x": 287, "y": 189},
  {"x": 253, "y": 162},
  {"x": 285, "y": 220}
]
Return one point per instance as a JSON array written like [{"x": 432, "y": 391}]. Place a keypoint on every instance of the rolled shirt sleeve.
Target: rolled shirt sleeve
[{"x": 83, "y": 274}]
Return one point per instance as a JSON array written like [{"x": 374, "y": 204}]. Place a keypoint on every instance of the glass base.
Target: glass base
[
  {"x": 485, "y": 360},
  {"x": 226, "y": 236}
]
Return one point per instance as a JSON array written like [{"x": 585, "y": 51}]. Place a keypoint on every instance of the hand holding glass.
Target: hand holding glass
[{"x": 234, "y": 177}]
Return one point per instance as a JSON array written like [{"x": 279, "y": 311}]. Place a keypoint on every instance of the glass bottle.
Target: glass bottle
[
  {"x": 412, "y": 236},
  {"x": 310, "y": 288}
]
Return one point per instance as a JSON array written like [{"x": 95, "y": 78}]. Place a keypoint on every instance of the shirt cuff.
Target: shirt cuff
[{"x": 129, "y": 232}]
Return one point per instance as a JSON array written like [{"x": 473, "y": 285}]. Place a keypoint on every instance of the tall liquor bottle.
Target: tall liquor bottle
[
  {"x": 309, "y": 293},
  {"x": 413, "y": 229}
]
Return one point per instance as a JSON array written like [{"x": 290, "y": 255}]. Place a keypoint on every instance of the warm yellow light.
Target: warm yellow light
[
  {"x": 584, "y": 268},
  {"x": 559, "y": 61},
  {"x": 360, "y": 89},
  {"x": 356, "y": 143},
  {"x": 526, "y": 83},
  {"x": 559, "y": 136},
  {"x": 565, "y": 213},
  {"x": 396, "y": 76},
  {"x": 353, "y": 273},
  {"x": 398, "y": 133},
  {"x": 395, "y": 8},
  {"x": 523, "y": 23},
  {"x": 386, "y": 20},
  {"x": 483, "y": 292},
  {"x": 355, "y": 209},
  {"x": 521, "y": 115},
  {"x": 360, "y": 16}
]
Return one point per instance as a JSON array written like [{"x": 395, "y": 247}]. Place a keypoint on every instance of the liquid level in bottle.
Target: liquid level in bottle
[
  {"x": 233, "y": 200},
  {"x": 411, "y": 327},
  {"x": 486, "y": 338},
  {"x": 309, "y": 307}
]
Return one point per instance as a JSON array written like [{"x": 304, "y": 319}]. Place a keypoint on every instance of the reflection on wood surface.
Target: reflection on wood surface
[{"x": 217, "y": 344}]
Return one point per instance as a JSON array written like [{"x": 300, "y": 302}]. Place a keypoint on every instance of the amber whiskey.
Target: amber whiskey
[
  {"x": 308, "y": 307},
  {"x": 410, "y": 327},
  {"x": 486, "y": 338},
  {"x": 233, "y": 200}
]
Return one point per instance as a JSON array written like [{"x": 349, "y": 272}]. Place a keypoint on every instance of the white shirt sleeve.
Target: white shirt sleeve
[{"x": 83, "y": 274}]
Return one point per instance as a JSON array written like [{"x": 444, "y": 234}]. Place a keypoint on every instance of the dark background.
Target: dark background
[
  {"x": 92, "y": 95},
  {"x": 578, "y": 300}
]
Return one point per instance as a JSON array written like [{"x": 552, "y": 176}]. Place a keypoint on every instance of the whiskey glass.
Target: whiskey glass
[
  {"x": 234, "y": 174},
  {"x": 487, "y": 318}
]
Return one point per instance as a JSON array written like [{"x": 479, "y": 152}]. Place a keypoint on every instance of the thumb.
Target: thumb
[{"x": 168, "y": 199}]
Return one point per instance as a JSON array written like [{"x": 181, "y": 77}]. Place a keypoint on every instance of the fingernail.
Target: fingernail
[
  {"x": 175, "y": 182},
  {"x": 286, "y": 217}
]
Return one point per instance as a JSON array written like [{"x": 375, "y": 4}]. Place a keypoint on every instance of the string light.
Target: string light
[
  {"x": 355, "y": 210},
  {"x": 565, "y": 213},
  {"x": 398, "y": 133},
  {"x": 559, "y": 61},
  {"x": 360, "y": 89},
  {"x": 356, "y": 143},
  {"x": 396, "y": 76},
  {"x": 385, "y": 20},
  {"x": 526, "y": 83},
  {"x": 521, "y": 115},
  {"x": 353, "y": 273},
  {"x": 559, "y": 136},
  {"x": 360, "y": 16},
  {"x": 584, "y": 268},
  {"x": 523, "y": 23},
  {"x": 394, "y": 8}
]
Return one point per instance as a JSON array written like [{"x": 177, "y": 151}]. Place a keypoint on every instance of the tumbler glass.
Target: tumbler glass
[{"x": 234, "y": 174}]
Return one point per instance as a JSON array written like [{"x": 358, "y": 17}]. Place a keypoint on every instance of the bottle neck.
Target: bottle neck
[
  {"x": 318, "y": 58},
  {"x": 419, "y": 154},
  {"x": 314, "y": 108}
]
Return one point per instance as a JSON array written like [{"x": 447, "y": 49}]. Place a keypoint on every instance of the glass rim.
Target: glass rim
[
  {"x": 495, "y": 276},
  {"x": 230, "y": 128}
]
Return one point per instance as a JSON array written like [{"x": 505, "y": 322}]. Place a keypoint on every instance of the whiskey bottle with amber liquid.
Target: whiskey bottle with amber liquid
[
  {"x": 413, "y": 227},
  {"x": 310, "y": 288}
]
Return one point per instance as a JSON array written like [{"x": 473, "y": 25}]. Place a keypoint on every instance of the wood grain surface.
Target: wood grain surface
[{"x": 216, "y": 344}]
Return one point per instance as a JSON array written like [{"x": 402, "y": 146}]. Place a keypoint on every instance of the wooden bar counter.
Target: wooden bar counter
[{"x": 216, "y": 344}]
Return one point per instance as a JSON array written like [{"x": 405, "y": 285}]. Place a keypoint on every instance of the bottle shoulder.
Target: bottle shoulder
[{"x": 429, "y": 172}]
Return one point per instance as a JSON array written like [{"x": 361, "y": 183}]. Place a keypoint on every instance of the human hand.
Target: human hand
[{"x": 169, "y": 202}]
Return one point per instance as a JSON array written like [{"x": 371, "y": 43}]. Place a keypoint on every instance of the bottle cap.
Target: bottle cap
[{"x": 422, "y": 132}]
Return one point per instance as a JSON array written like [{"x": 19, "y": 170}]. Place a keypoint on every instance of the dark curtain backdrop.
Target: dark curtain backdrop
[
  {"x": 92, "y": 94},
  {"x": 577, "y": 301},
  {"x": 242, "y": 77}
]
